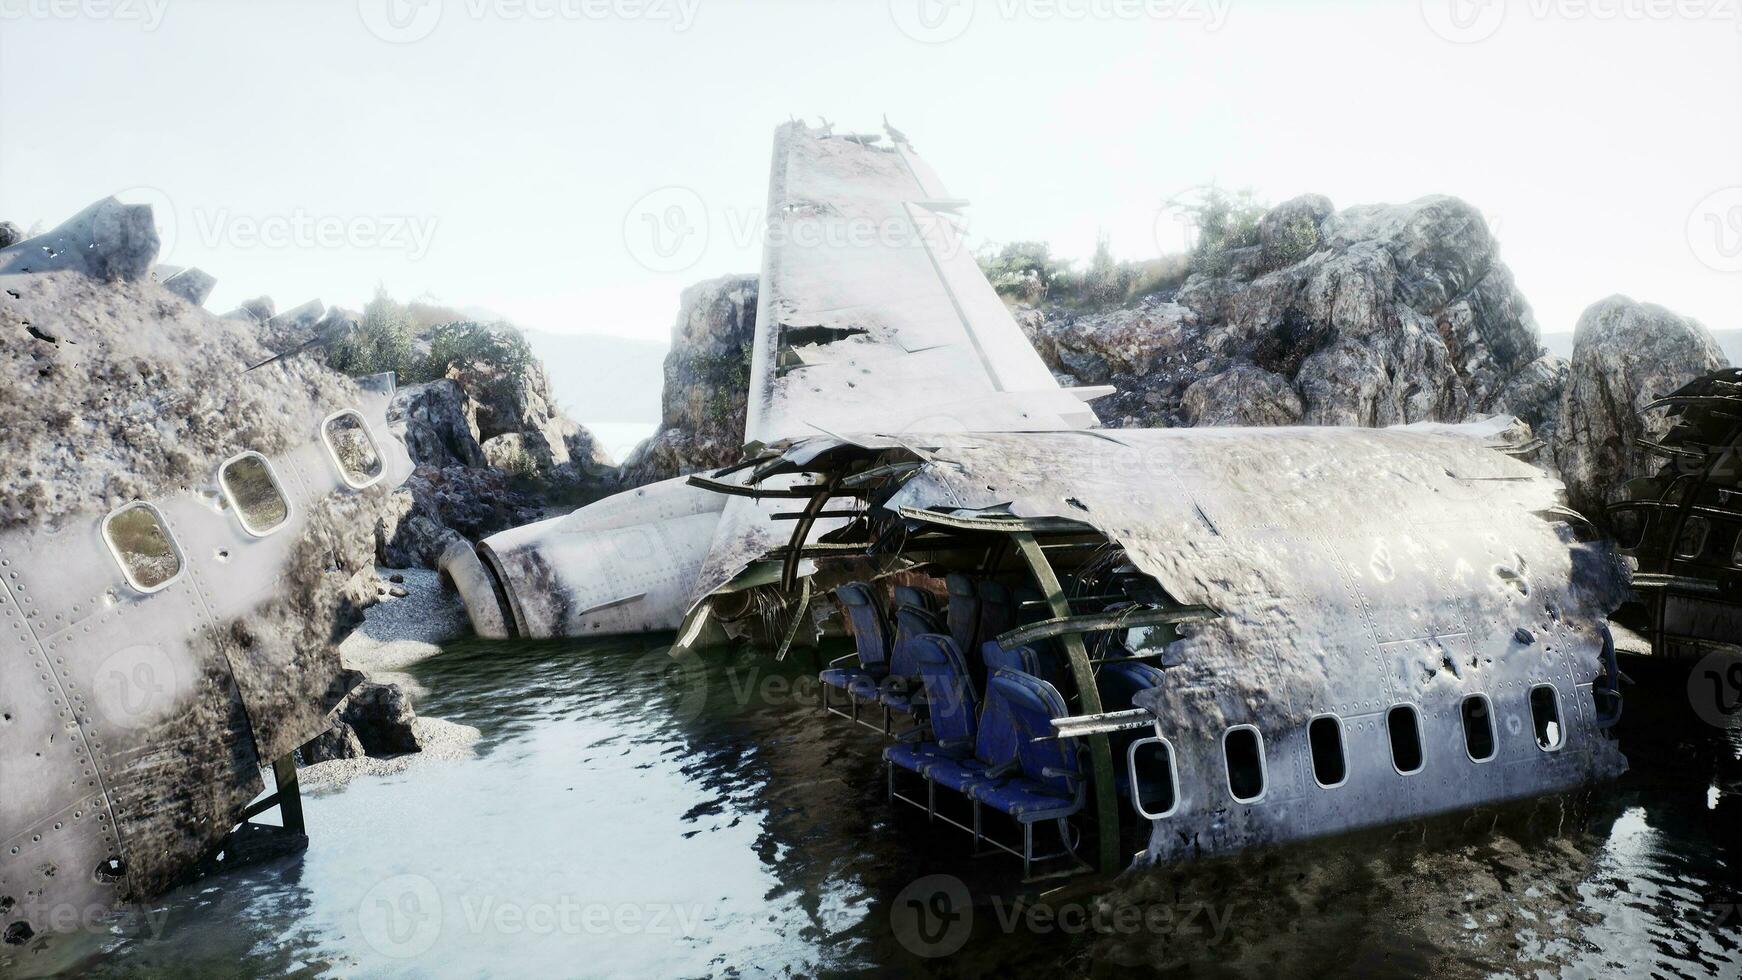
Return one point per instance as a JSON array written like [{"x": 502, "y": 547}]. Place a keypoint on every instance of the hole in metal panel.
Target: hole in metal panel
[
  {"x": 252, "y": 489},
  {"x": 1478, "y": 728},
  {"x": 1325, "y": 735},
  {"x": 142, "y": 544},
  {"x": 348, "y": 441},
  {"x": 1243, "y": 749},
  {"x": 1404, "y": 725},
  {"x": 1545, "y": 716}
]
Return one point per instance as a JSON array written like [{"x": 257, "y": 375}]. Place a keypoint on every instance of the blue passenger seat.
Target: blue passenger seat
[
  {"x": 964, "y": 621},
  {"x": 1120, "y": 682},
  {"x": 871, "y": 639},
  {"x": 901, "y": 686},
  {"x": 1051, "y": 784}
]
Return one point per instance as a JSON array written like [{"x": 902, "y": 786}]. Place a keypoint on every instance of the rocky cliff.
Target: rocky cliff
[
  {"x": 707, "y": 374},
  {"x": 1373, "y": 315}
]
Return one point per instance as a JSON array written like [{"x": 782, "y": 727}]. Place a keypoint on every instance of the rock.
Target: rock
[
  {"x": 1373, "y": 316},
  {"x": 1289, "y": 232},
  {"x": 260, "y": 309},
  {"x": 10, "y": 234},
  {"x": 382, "y": 718},
  {"x": 293, "y": 326},
  {"x": 337, "y": 742},
  {"x": 193, "y": 285},
  {"x": 110, "y": 241},
  {"x": 517, "y": 455},
  {"x": 1625, "y": 355},
  {"x": 1242, "y": 395},
  {"x": 438, "y": 427},
  {"x": 439, "y": 504},
  {"x": 707, "y": 375}
]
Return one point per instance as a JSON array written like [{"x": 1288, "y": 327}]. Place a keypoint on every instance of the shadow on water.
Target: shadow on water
[{"x": 634, "y": 814}]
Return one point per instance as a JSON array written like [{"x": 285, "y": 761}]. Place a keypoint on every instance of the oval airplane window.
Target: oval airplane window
[
  {"x": 1154, "y": 781},
  {"x": 1479, "y": 740},
  {"x": 1404, "y": 725},
  {"x": 1545, "y": 715},
  {"x": 253, "y": 492},
  {"x": 349, "y": 443},
  {"x": 1694, "y": 534},
  {"x": 142, "y": 545},
  {"x": 1243, "y": 753},
  {"x": 1325, "y": 737}
]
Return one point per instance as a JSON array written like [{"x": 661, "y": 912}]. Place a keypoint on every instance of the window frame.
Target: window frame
[
  {"x": 277, "y": 484},
  {"x": 1420, "y": 739},
  {"x": 1342, "y": 746},
  {"x": 1263, "y": 766},
  {"x": 1493, "y": 728},
  {"x": 1172, "y": 771},
  {"x": 333, "y": 452},
  {"x": 1560, "y": 717},
  {"x": 1705, "y": 538},
  {"x": 181, "y": 559}
]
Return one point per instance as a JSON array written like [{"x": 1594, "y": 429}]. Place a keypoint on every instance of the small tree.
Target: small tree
[
  {"x": 1024, "y": 271},
  {"x": 382, "y": 342},
  {"x": 1224, "y": 222}
]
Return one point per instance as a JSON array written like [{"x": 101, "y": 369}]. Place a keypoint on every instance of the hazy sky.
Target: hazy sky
[{"x": 501, "y": 153}]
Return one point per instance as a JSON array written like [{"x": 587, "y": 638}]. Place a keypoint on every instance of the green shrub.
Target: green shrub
[
  {"x": 381, "y": 342},
  {"x": 1224, "y": 222}
]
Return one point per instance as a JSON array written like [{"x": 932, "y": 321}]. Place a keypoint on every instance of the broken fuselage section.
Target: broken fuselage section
[
  {"x": 1683, "y": 525},
  {"x": 1338, "y": 628}
]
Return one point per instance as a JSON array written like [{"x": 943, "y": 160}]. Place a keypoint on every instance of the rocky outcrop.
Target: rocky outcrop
[
  {"x": 491, "y": 452},
  {"x": 707, "y": 375},
  {"x": 439, "y": 429},
  {"x": 1625, "y": 355},
  {"x": 10, "y": 234},
  {"x": 1372, "y": 316}
]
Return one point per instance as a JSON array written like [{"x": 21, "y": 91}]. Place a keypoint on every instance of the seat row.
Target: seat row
[{"x": 981, "y": 726}]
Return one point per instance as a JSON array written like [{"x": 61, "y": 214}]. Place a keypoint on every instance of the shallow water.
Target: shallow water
[{"x": 633, "y": 816}]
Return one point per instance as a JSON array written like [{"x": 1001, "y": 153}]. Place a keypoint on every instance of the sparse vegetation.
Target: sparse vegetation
[
  {"x": 394, "y": 337},
  {"x": 1028, "y": 272},
  {"x": 1224, "y": 221}
]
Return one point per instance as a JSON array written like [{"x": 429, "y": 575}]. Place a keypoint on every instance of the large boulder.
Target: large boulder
[
  {"x": 1373, "y": 316},
  {"x": 438, "y": 428},
  {"x": 1242, "y": 395},
  {"x": 1625, "y": 355},
  {"x": 707, "y": 376}
]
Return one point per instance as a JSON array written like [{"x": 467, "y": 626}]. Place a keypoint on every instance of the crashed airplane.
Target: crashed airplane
[
  {"x": 1210, "y": 638},
  {"x": 164, "y": 571}
]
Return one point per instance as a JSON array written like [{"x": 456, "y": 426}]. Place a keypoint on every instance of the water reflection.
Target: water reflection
[{"x": 634, "y": 815}]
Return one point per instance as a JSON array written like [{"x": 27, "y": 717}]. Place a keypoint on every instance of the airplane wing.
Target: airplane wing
[{"x": 873, "y": 315}]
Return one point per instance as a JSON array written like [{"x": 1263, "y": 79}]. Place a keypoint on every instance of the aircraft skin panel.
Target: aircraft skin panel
[
  {"x": 626, "y": 578},
  {"x": 861, "y": 250},
  {"x": 153, "y": 712}
]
